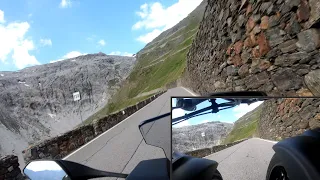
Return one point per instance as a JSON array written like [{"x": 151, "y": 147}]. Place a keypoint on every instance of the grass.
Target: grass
[
  {"x": 245, "y": 127},
  {"x": 147, "y": 76}
]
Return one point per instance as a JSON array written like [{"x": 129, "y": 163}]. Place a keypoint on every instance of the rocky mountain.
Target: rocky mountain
[
  {"x": 37, "y": 102},
  {"x": 189, "y": 138}
]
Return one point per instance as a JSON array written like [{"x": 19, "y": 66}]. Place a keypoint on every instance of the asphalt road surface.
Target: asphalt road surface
[
  {"x": 122, "y": 147},
  {"x": 247, "y": 160}
]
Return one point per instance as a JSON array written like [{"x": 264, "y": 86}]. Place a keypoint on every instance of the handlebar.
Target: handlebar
[{"x": 190, "y": 105}]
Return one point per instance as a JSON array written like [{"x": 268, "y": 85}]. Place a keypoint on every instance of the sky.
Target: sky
[
  {"x": 228, "y": 115},
  {"x": 43, "y": 165},
  {"x": 34, "y": 32}
]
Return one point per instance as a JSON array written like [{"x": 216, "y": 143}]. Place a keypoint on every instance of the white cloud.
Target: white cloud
[
  {"x": 13, "y": 41},
  {"x": 156, "y": 16},
  {"x": 102, "y": 42},
  {"x": 118, "y": 53},
  {"x": 53, "y": 61},
  {"x": 144, "y": 11},
  {"x": 242, "y": 109},
  {"x": 149, "y": 36},
  {"x": 178, "y": 113},
  {"x": 46, "y": 42},
  {"x": 204, "y": 121},
  {"x": 21, "y": 57},
  {"x": 2, "y": 17},
  {"x": 69, "y": 55},
  {"x": 65, "y": 3},
  {"x": 73, "y": 54}
]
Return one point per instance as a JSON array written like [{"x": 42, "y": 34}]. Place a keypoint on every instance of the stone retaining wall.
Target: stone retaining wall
[
  {"x": 207, "y": 151},
  {"x": 265, "y": 45},
  {"x": 9, "y": 168},
  {"x": 59, "y": 147},
  {"x": 286, "y": 117}
]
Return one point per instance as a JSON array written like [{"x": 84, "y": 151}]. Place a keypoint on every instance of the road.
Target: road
[
  {"x": 248, "y": 160},
  {"x": 121, "y": 148}
]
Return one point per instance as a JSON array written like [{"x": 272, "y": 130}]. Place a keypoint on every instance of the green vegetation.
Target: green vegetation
[
  {"x": 159, "y": 63},
  {"x": 156, "y": 68},
  {"x": 245, "y": 127}
]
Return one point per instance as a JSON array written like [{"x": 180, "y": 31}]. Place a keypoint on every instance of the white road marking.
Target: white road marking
[
  {"x": 267, "y": 140},
  {"x": 192, "y": 93},
  {"x": 103, "y": 133}
]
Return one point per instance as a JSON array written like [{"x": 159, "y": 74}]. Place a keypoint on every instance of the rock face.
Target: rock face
[
  {"x": 272, "y": 45},
  {"x": 286, "y": 117},
  {"x": 189, "y": 138},
  {"x": 37, "y": 102}
]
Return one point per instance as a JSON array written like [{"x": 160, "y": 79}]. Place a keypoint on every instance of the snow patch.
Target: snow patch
[
  {"x": 73, "y": 60},
  {"x": 21, "y": 82},
  {"x": 1, "y": 75},
  {"x": 51, "y": 115},
  {"x": 27, "y": 85}
]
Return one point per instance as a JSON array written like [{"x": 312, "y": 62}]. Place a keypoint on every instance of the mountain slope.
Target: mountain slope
[
  {"x": 37, "y": 102},
  {"x": 190, "y": 138},
  {"x": 245, "y": 127},
  {"x": 160, "y": 62}
]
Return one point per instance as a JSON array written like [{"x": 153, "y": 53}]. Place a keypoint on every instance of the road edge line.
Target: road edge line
[
  {"x": 105, "y": 132},
  {"x": 189, "y": 91},
  {"x": 274, "y": 142}
]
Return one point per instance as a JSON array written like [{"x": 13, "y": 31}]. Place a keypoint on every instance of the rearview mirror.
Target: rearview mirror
[{"x": 45, "y": 170}]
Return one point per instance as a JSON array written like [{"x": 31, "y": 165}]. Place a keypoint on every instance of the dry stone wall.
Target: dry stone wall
[
  {"x": 207, "y": 151},
  {"x": 59, "y": 147},
  {"x": 9, "y": 168},
  {"x": 286, "y": 117},
  {"x": 266, "y": 45}
]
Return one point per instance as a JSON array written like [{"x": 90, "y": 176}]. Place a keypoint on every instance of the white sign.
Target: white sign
[
  {"x": 76, "y": 96},
  {"x": 202, "y": 134}
]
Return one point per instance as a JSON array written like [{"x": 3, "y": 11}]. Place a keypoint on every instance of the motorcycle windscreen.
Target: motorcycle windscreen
[{"x": 157, "y": 132}]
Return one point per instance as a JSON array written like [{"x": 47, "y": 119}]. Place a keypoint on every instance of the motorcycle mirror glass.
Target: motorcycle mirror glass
[
  {"x": 157, "y": 132},
  {"x": 50, "y": 170}
]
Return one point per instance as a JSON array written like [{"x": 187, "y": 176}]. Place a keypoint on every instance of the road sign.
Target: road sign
[
  {"x": 76, "y": 96},
  {"x": 202, "y": 134}
]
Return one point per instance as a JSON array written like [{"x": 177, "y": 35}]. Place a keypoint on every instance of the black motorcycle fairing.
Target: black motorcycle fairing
[
  {"x": 150, "y": 170},
  {"x": 300, "y": 157},
  {"x": 190, "y": 168},
  {"x": 78, "y": 171}
]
